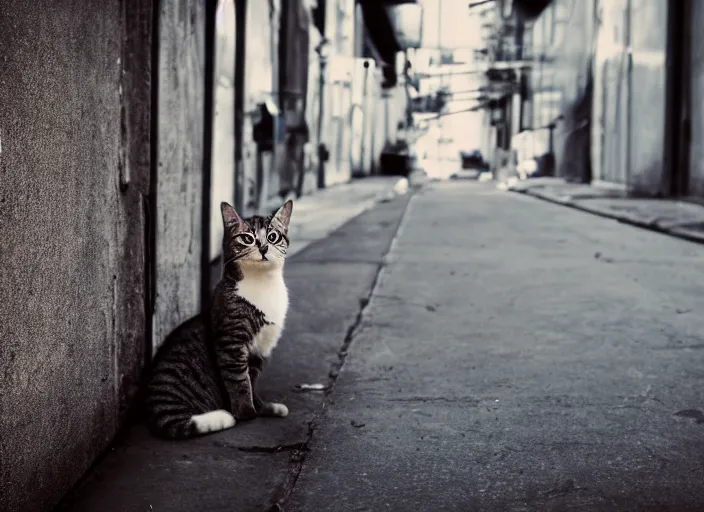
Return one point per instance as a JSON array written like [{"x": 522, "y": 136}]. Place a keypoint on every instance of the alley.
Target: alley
[
  {"x": 480, "y": 350},
  {"x": 518, "y": 355}
]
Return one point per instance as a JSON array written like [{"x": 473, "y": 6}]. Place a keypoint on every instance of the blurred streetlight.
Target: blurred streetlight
[{"x": 323, "y": 51}]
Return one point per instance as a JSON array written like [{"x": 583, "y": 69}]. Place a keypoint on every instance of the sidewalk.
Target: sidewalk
[
  {"x": 253, "y": 465},
  {"x": 317, "y": 215},
  {"x": 683, "y": 219}
]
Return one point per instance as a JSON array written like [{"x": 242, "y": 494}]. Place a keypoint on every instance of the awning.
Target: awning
[
  {"x": 382, "y": 40},
  {"x": 380, "y": 29},
  {"x": 530, "y": 9}
]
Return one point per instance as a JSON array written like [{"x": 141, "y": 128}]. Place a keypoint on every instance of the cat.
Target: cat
[{"x": 204, "y": 375}]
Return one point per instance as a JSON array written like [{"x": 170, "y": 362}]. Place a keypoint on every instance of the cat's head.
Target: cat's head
[{"x": 258, "y": 241}]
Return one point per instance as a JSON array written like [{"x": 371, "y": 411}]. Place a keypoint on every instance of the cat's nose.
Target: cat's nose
[{"x": 263, "y": 249}]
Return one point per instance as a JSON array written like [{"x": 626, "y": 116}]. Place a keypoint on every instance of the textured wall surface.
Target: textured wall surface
[
  {"x": 180, "y": 153},
  {"x": 611, "y": 93},
  {"x": 564, "y": 33},
  {"x": 575, "y": 45},
  {"x": 629, "y": 107},
  {"x": 696, "y": 163},
  {"x": 74, "y": 168},
  {"x": 647, "y": 148},
  {"x": 223, "y": 169}
]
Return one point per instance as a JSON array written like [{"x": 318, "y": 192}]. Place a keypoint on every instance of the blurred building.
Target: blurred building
[{"x": 601, "y": 91}]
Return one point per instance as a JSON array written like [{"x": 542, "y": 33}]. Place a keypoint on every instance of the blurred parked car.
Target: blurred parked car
[
  {"x": 398, "y": 159},
  {"x": 474, "y": 160}
]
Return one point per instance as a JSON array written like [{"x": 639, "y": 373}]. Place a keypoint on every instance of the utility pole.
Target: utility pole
[
  {"x": 321, "y": 152},
  {"x": 629, "y": 85},
  {"x": 440, "y": 131},
  {"x": 364, "y": 114},
  {"x": 240, "y": 27}
]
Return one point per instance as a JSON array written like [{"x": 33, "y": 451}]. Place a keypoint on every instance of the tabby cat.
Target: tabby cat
[{"x": 203, "y": 377}]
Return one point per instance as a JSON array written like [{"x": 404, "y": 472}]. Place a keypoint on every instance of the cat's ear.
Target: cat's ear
[
  {"x": 230, "y": 218},
  {"x": 283, "y": 214}
]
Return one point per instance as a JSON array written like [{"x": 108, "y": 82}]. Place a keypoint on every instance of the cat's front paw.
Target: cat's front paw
[
  {"x": 279, "y": 410},
  {"x": 274, "y": 409}
]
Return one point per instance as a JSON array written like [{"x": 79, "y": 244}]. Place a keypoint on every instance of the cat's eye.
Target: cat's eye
[
  {"x": 273, "y": 237},
  {"x": 245, "y": 239}
]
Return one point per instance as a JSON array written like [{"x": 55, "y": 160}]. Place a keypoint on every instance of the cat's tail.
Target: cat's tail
[{"x": 183, "y": 424}]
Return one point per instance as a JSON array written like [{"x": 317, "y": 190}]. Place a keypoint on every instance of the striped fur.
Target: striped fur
[{"x": 204, "y": 375}]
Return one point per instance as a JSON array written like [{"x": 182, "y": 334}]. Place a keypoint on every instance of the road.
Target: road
[{"x": 518, "y": 355}]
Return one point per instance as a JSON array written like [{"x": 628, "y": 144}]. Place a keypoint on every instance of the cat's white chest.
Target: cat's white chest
[{"x": 267, "y": 292}]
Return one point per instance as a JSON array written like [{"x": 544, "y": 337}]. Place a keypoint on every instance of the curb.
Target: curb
[{"x": 677, "y": 232}]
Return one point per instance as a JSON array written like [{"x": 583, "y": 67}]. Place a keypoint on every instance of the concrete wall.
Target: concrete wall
[
  {"x": 696, "y": 152},
  {"x": 74, "y": 182},
  {"x": 615, "y": 123},
  {"x": 313, "y": 112},
  {"x": 546, "y": 91},
  {"x": 279, "y": 152},
  {"x": 180, "y": 157},
  {"x": 611, "y": 90},
  {"x": 397, "y": 102},
  {"x": 648, "y": 104},
  {"x": 379, "y": 109},
  {"x": 629, "y": 108},
  {"x": 361, "y": 115},
  {"x": 263, "y": 20},
  {"x": 223, "y": 146},
  {"x": 574, "y": 41},
  {"x": 340, "y": 31},
  {"x": 338, "y": 103},
  {"x": 564, "y": 34}
]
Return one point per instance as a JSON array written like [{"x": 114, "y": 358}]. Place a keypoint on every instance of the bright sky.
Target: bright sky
[{"x": 459, "y": 29}]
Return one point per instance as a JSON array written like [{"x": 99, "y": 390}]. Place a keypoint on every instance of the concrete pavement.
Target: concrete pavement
[
  {"x": 517, "y": 355},
  {"x": 253, "y": 466},
  {"x": 320, "y": 214},
  {"x": 510, "y": 355}
]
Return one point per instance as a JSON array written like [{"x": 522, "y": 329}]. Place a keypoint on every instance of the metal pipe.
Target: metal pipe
[
  {"x": 240, "y": 39},
  {"x": 629, "y": 84},
  {"x": 150, "y": 202},
  {"x": 321, "y": 89},
  {"x": 364, "y": 114},
  {"x": 208, "y": 111},
  {"x": 442, "y": 81}
]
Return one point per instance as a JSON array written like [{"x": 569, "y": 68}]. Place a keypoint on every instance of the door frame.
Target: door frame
[{"x": 678, "y": 98}]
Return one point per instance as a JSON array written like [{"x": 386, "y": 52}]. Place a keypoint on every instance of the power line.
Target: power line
[
  {"x": 473, "y": 109},
  {"x": 519, "y": 67}
]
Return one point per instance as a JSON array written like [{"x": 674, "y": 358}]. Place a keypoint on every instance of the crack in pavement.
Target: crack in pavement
[
  {"x": 298, "y": 455},
  {"x": 273, "y": 449},
  {"x": 445, "y": 399}
]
